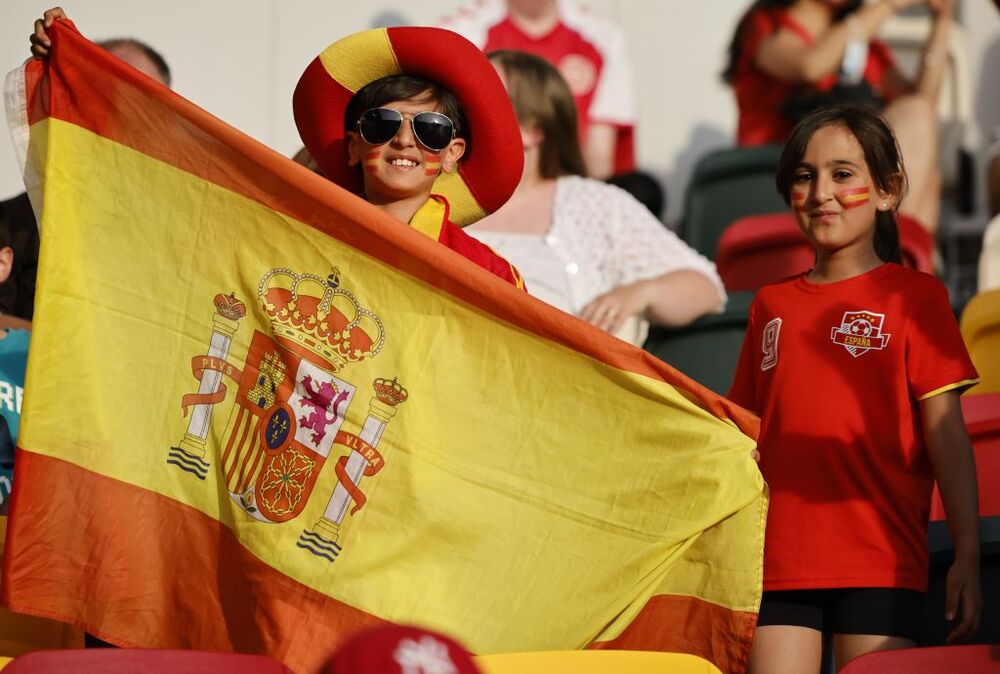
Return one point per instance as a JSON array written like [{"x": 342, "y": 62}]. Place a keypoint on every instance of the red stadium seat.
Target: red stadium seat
[
  {"x": 761, "y": 249},
  {"x": 982, "y": 419},
  {"x": 981, "y": 659},
  {"x": 142, "y": 661}
]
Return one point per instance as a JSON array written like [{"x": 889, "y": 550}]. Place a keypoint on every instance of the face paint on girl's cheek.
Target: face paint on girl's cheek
[
  {"x": 371, "y": 161},
  {"x": 799, "y": 202},
  {"x": 853, "y": 197},
  {"x": 432, "y": 162}
]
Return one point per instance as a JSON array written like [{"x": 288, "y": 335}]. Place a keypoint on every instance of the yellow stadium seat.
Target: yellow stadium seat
[
  {"x": 981, "y": 332},
  {"x": 594, "y": 662}
]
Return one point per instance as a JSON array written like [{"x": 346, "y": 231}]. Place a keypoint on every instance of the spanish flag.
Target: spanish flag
[{"x": 261, "y": 414}]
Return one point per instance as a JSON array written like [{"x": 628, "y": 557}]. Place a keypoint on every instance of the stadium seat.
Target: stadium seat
[
  {"x": 142, "y": 661},
  {"x": 982, "y": 419},
  {"x": 942, "y": 554},
  {"x": 726, "y": 185},
  {"x": 983, "y": 659},
  {"x": 594, "y": 662},
  {"x": 760, "y": 249},
  {"x": 981, "y": 332},
  {"x": 706, "y": 350}
]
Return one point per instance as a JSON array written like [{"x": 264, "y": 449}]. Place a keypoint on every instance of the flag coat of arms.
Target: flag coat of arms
[{"x": 260, "y": 414}]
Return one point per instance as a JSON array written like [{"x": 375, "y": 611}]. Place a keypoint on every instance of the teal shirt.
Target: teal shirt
[{"x": 13, "y": 361}]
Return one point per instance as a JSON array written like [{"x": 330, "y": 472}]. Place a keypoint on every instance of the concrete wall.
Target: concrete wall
[{"x": 241, "y": 60}]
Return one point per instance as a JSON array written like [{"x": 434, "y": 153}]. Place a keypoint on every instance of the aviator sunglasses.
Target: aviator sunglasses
[{"x": 433, "y": 130}]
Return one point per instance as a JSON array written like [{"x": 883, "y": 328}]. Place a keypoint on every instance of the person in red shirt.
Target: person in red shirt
[
  {"x": 790, "y": 56},
  {"x": 855, "y": 369},
  {"x": 590, "y": 53}
]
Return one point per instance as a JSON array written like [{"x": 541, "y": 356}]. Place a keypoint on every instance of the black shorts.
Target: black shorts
[{"x": 889, "y": 612}]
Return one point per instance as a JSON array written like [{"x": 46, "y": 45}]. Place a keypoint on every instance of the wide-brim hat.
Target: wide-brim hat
[{"x": 491, "y": 167}]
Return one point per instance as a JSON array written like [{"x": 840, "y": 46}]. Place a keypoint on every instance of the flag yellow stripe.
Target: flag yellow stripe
[{"x": 548, "y": 436}]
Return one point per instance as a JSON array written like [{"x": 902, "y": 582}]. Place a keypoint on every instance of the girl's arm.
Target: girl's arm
[
  {"x": 786, "y": 57},
  {"x": 955, "y": 471}
]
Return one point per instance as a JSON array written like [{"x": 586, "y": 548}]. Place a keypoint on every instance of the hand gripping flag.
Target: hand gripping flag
[{"x": 261, "y": 414}]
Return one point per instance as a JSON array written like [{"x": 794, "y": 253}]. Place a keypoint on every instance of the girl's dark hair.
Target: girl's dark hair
[
  {"x": 736, "y": 46},
  {"x": 542, "y": 99},
  {"x": 403, "y": 88},
  {"x": 885, "y": 163}
]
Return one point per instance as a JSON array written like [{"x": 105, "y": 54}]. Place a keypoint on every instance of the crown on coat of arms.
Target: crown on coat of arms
[
  {"x": 318, "y": 315},
  {"x": 389, "y": 392},
  {"x": 229, "y": 307}
]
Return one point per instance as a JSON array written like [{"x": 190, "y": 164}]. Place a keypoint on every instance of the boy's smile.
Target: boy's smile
[{"x": 402, "y": 168}]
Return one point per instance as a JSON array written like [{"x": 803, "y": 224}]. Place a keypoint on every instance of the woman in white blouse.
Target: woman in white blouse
[{"x": 584, "y": 246}]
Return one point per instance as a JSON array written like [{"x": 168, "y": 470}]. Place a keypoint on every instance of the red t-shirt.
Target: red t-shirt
[
  {"x": 759, "y": 96},
  {"x": 836, "y": 372},
  {"x": 432, "y": 219},
  {"x": 588, "y": 51}
]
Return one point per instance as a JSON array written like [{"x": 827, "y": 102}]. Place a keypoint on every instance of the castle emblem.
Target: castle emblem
[
  {"x": 290, "y": 408},
  {"x": 860, "y": 332}
]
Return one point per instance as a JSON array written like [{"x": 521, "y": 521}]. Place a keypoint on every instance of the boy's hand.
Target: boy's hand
[
  {"x": 40, "y": 42},
  {"x": 962, "y": 589}
]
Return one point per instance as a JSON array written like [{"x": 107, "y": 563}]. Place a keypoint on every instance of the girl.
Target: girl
[
  {"x": 583, "y": 246},
  {"x": 790, "y": 56},
  {"x": 855, "y": 369}
]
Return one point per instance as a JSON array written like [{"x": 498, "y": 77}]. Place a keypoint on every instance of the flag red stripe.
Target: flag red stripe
[
  {"x": 229, "y": 459},
  {"x": 690, "y": 625},
  {"x": 186, "y": 135},
  {"x": 199, "y": 575},
  {"x": 50, "y": 574}
]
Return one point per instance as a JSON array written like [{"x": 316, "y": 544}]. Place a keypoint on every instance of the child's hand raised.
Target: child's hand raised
[
  {"x": 962, "y": 589},
  {"x": 40, "y": 42}
]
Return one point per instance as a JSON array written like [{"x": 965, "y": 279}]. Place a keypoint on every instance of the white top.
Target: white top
[{"x": 600, "y": 238}]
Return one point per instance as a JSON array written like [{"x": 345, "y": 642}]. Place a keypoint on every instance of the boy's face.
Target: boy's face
[{"x": 402, "y": 168}]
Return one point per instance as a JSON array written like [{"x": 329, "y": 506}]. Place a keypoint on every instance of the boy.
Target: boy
[{"x": 418, "y": 122}]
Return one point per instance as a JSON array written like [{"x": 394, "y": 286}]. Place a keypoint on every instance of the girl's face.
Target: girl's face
[
  {"x": 402, "y": 168},
  {"x": 833, "y": 195}
]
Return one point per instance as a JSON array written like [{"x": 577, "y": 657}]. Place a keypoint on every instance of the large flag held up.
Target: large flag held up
[{"x": 261, "y": 414}]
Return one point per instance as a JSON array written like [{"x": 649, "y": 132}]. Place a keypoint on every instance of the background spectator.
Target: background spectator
[{"x": 584, "y": 246}]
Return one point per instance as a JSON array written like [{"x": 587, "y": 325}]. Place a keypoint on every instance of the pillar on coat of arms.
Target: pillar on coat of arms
[
  {"x": 381, "y": 408},
  {"x": 189, "y": 454}
]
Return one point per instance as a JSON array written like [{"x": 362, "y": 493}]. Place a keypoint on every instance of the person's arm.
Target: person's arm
[
  {"x": 786, "y": 57},
  {"x": 599, "y": 150},
  {"x": 673, "y": 299},
  {"x": 934, "y": 58},
  {"x": 955, "y": 471},
  {"x": 39, "y": 39}
]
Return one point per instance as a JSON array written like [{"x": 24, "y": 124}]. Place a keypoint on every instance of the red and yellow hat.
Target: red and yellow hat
[{"x": 491, "y": 167}]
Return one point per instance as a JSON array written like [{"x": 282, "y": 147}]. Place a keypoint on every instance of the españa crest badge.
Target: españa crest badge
[
  {"x": 291, "y": 404},
  {"x": 860, "y": 332}
]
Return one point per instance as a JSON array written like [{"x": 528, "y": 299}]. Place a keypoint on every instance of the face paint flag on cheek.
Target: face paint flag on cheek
[
  {"x": 799, "y": 202},
  {"x": 854, "y": 197}
]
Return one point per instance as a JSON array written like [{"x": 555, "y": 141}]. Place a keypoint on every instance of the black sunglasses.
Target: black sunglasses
[{"x": 432, "y": 129}]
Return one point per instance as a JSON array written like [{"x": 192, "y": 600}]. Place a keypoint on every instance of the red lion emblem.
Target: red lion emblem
[{"x": 319, "y": 400}]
